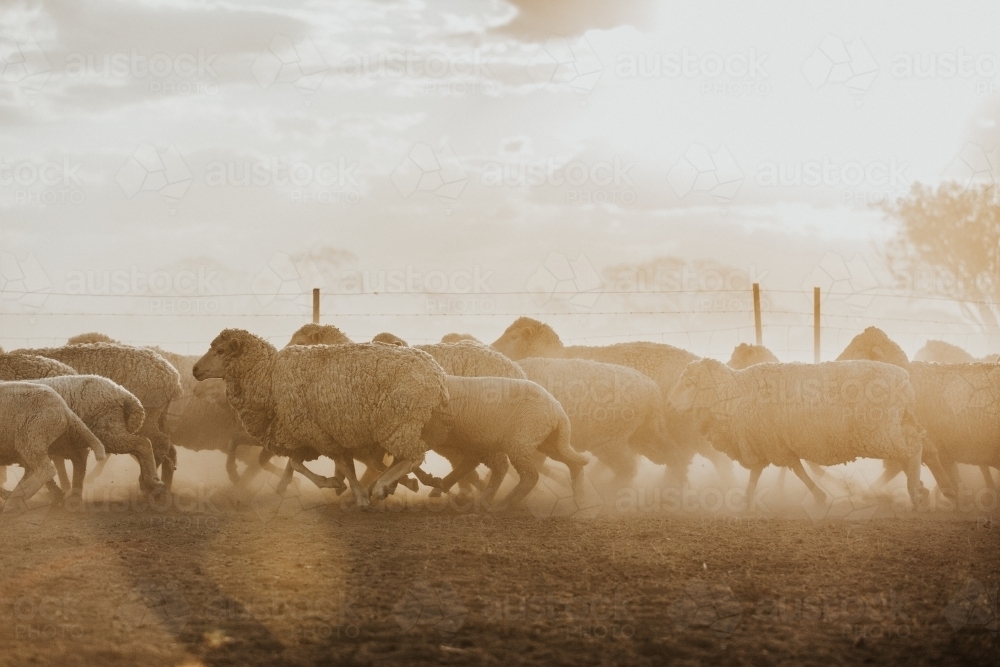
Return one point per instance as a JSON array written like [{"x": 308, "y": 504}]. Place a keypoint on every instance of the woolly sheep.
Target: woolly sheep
[
  {"x": 333, "y": 398},
  {"x": 90, "y": 337},
  {"x": 318, "y": 334},
  {"x": 616, "y": 412},
  {"x": 958, "y": 404},
  {"x": 459, "y": 337},
  {"x": 518, "y": 418},
  {"x": 746, "y": 355},
  {"x": 36, "y": 419},
  {"x": 141, "y": 371},
  {"x": 527, "y": 337},
  {"x": 387, "y": 338},
  {"x": 111, "y": 413},
  {"x": 830, "y": 413},
  {"x": 943, "y": 353}
]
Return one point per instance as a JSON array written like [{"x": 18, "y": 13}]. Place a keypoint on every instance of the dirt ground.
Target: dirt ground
[{"x": 213, "y": 577}]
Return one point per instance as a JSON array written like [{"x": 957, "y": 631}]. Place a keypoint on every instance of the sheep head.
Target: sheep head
[
  {"x": 387, "y": 338},
  {"x": 318, "y": 334},
  {"x": 943, "y": 353},
  {"x": 528, "y": 338},
  {"x": 705, "y": 383},
  {"x": 874, "y": 345},
  {"x": 227, "y": 349},
  {"x": 746, "y": 355}
]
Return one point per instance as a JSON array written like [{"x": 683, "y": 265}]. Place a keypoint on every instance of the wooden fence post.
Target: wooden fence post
[
  {"x": 756, "y": 314},
  {"x": 315, "y": 305},
  {"x": 815, "y": 325}
]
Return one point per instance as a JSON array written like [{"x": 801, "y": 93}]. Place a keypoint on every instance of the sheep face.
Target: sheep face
[
  {"x": 528, "y": 338},
  {"x": 213, "y": 363},
  {"x": 682, "y": 395},
  {"x": 874, "y": 345}
]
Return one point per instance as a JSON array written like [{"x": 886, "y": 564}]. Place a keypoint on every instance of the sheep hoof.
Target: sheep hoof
[
  {"x": 410, "y": 483},
  {"x": 435, "y": 493},
  {"x": 820, "y": 497}
]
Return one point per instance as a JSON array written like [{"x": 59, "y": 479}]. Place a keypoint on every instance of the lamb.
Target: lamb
[
  {"x": 663, "y": 363},
  {"x": 958, "y": 404},
  {"x": 517, "y": 418},
  {"x": 830, "y": 413},
  {"x": 141, "y": 371},
  {"x": 616, "y": 412},
  {"x": 459, "y": 337},
  {"x": 112, "y": 414},
  {"x": 746, "y": 355},
  {"x": 35, "y": 420},
  {"x": 336, "y": 399}
]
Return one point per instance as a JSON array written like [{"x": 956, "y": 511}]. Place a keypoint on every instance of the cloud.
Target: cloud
[{"x": 537, "y": 20}]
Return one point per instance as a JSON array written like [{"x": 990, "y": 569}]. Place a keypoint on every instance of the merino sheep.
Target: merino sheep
[
  {"x": 333, "y": 398},
  {"x": 459, "y": 337},
  {"x": 36, "y": 419},
  {"x": 663, "y": 363},
  {"x": 830, "y": 413},
  {"x": 745, "y": 356},
  {"x": 387, "y": 338},
  {"x": 141, "y": 371},
  {"x": 616, "y": 412},
  {"x": 90, "y": 337},
  {"x": 319, "y": 334},
  {"x": 111, "y": 413},
  {"x": 958, "y": 404},
  {"x": 488, "y": 416},
  {"x": 943, "y": 353}
]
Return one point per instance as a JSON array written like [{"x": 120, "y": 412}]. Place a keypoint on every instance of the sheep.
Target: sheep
[
  {"x": 663, "y": 363},
  {"x": 459, "y": 337},
  {"x": 36, "y": 419},
  {"x": 318, "y": 334},
  {"x": 90, "y": 337},
  {"x": 616, "y": 412},
  {"x": 114, "y": 415},
  {"x": 943, "y": 353},
  {"x": 746, "y": 355},
  {"x": 333, "y": 398},
  {"x": 141, "y": 371},
  {"x": 387, "y": 338},
  {"x": 830, "y": 413},
  {"x": 958, "y": 404},
  {"x": 488, "y": 416}
]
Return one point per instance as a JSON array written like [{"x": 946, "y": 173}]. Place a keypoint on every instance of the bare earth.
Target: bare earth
[{"x": 213, "y": 581}]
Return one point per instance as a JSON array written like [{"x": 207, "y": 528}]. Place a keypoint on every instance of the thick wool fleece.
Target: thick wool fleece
[
  {"x": 745, "y": 356},
  {"x": 941, "y": 352},
  {"x": 140, "y": 370},
  {"x": 15, "y": 367},
  {"x": 467, "y": 359},
  {"x": 606, "y": 404},
  {"x": 459, "y": 337},
  {"x": 35, "y": 417},
  {"x": 332, "y": 397},
  {"x": 828, "y": 413},
  {"x": 958, "y": 404},
  {"x": 319, "y": 334}
]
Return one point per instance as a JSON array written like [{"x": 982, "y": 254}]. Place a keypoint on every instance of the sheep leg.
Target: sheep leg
[
  {"x": 800, "y": 472},
  {"x": 168, "y": 466},
  {"x": 98, "y": 469},
  {"x": 79, "y": 474},
  {"x": 891, "y": 469},
  {"x": 345, "y": 465},
  {"x": 918, "y": 494},
  {"x": 57, "y": 494},
  {"x": 60, "y": 464},
  {"x": 752, "y": 488},
  {"x": 460, "y": 470},
  {"x": 319, "y": 480},
  {"x": 499, "y": 465},
  {"x": 987, "y": 477},
  {"x": 528, "y": 475},
  {"x": 142, "y": 450},
  {"x": 392, "y": 475},
  {"x": 286, "y": 478},
  {"x": 817, "y": 469},
  {"x": 428, "y": 479},
  {"x": 231, "y": 470},
  {"x": 34, "y": 478}
]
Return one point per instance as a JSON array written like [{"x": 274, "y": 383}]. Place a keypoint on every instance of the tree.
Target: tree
[{"x": 948, "y": 245}]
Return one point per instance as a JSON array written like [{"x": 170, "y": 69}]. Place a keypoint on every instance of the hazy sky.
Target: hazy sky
[{"x": 238, "y": 154}]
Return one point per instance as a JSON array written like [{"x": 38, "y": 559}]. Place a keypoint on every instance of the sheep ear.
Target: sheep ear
[
  {"x": 314, "y": 337},
  {"x": 234, "y": 347},
  {"x": 877, "y": 352}
]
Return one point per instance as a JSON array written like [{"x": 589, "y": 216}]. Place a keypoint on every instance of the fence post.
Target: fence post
[
  {"x": 315, "y": 305},
  {"x": 815, "y": 325},
  {"x": 756, "y": 314}
]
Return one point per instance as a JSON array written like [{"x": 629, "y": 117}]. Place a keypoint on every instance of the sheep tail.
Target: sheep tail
[
  {"x": 80, "y": 429},
  {"x": 563, "y": 446},
  {"x": 134, "y": 413}
]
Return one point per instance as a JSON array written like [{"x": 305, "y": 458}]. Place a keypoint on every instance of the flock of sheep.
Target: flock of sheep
[{"x": 516, "y": 403}]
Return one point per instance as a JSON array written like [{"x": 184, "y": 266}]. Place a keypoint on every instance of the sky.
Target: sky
[{"x": 620, "y": 170}]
